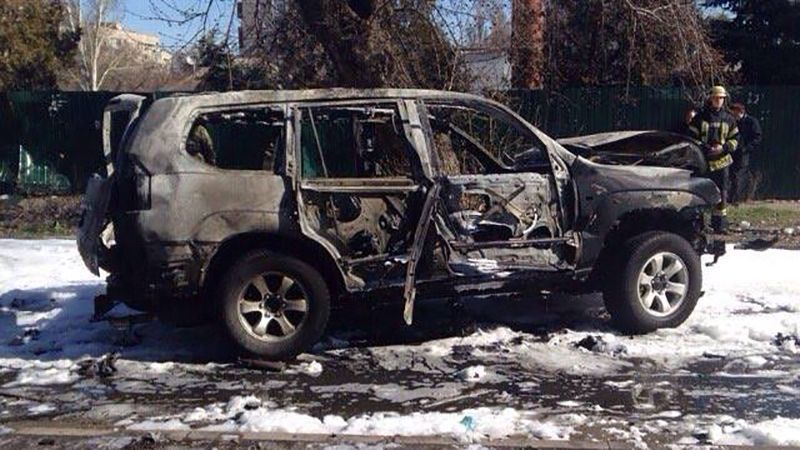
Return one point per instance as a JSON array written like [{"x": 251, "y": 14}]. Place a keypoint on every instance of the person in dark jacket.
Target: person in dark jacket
[
  {"x": 749, "y": 141},
  {"x": 716, "y": 128}
]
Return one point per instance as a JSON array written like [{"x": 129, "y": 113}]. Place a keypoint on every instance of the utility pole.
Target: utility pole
[{"x": 527, "y": 43}]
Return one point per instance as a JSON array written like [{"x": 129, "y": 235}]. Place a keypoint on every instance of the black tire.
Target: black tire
[
  {"x": 622, "y": 291},
  {"x": 312, "y": 288}
]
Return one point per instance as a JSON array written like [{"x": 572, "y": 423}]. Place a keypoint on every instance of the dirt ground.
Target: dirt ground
[
  {"x": 45, "y": 216},
  {"x": 768, "y": 220}
]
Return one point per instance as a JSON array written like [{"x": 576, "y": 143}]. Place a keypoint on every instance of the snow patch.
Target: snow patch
[
  {"x": 778, "y": 431},
  {"x": 252, "y": 414},
  {"x": 38, "y": 373},
  {"x": 472, "y": 374},
  {"x": 311, "y": 368}
]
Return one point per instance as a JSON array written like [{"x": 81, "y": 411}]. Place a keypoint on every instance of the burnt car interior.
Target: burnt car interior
[
  {"x": 499, "y": 210},
  {"x": 361, "y": 185}
]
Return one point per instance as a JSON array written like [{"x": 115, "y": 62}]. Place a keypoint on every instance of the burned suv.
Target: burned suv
[{"x": 263, "y": 209}]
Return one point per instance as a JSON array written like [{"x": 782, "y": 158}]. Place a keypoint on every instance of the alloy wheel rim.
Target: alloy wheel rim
[
  {"x": 663, "y": 284},
  {"x": 272, "y": 306}
]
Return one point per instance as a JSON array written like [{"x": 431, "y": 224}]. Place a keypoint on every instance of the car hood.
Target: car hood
[
  {"x": 639, "y": 148},
  {"x": 602, "y": 179}
]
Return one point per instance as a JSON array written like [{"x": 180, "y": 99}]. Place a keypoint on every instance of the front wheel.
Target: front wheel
[
  {"x": 274, "y": 306},
  {"x": 656, "y": 283}
]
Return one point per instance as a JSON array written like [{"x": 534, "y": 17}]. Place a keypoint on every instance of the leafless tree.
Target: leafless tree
[
  {"x": 424, "y": 43},
  {"x": 629, "y": 42},
  {"x": 108, "y": 56},
  {"x": 95, "y": 58}
]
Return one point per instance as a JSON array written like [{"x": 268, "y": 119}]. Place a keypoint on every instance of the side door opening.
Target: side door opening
[
  {"x": 499, "y": 207},
  {"x": 361, "y": 187}
]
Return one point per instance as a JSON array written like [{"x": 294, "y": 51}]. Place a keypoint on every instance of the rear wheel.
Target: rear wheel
[
  {"x": 274, "y": 306},
  {"x": 655, "y": 284}
]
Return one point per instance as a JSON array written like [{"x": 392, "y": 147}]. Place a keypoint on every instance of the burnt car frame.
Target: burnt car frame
[{"x": 262, "y": 209}]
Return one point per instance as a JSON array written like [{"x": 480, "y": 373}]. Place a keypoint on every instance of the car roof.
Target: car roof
[{"x": 305, "y": 95}]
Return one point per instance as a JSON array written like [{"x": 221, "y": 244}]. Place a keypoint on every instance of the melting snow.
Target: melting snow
[
  {"x": 748, "y": 318},
  {"x": 251, "y": 414}
]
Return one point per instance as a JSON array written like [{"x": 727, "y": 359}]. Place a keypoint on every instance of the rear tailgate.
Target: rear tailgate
[
  {"x": 118, "y": 120},
  {"x": 93, "y": 219}
]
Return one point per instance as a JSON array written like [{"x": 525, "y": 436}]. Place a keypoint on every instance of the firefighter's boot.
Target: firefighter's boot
[{"x": 719, "y": 224}]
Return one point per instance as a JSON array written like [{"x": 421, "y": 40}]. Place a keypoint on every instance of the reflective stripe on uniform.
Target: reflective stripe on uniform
[{"x": 721, "y": 163}]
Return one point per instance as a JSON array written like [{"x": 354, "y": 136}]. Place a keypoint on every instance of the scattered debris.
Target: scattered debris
[
  {"x": 261, "y": 364},
  {"x": 788, "y": 230},
  {"x": 589, "y": 343},
  {"x": 598, "y": 344},
  {"x": 468, "y": 422},
  {"x": 30, "y": 334},
  {"x": 790, "y": 342},
  {"x": 757, "y": 244},
  {"x": 101, "y": 367},
  {"x": 32, "y": 304},
  {"x": 149, "y": 440},
  {"x": 744, "y": 224},
  {"x": 48, "y": 441}
]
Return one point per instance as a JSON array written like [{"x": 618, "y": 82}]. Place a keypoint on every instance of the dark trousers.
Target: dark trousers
[
  {"x": 740, "y": 179},
  {"x": 719, "y": 217}
]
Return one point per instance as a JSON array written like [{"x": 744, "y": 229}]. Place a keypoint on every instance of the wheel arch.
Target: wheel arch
[
  {"x": 687, "y": 223},
  {"x": 307, "y": 250}
]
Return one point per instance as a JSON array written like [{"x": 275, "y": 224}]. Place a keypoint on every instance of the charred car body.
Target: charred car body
[{"x": 264, "y": 208}]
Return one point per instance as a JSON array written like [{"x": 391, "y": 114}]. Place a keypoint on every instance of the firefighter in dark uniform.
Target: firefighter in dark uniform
[{"x": 716, "y": 128}]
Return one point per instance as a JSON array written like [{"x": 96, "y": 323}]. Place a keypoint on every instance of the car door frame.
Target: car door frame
[
  {"x": 414, "y": 135},
  {"x": 557, "y": 187}
]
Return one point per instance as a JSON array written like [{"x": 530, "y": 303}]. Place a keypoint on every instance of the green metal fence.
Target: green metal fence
[{"x": 51, "y": 141}]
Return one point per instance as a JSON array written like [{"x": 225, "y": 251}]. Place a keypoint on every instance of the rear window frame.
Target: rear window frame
[{"x": 280, "y": 159}]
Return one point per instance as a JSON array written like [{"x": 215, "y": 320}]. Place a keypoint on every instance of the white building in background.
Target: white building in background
[
  {"x": 146, "y": 47},
  {"x": 489, "y": 68},
  {"x": 257, "y": 19}
]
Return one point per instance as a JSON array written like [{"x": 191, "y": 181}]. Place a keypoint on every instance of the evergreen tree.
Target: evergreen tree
[
  {"x": 33, "y": 45},
  {"x": 761, "y": 36}
]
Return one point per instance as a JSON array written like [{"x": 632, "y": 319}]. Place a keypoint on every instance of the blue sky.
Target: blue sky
[{"x": 139, "y": 15}]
